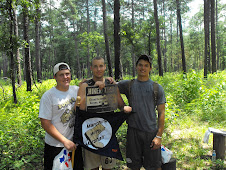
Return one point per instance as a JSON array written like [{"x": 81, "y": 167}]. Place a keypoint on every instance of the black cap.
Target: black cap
[{"x": 145, "y": 58}]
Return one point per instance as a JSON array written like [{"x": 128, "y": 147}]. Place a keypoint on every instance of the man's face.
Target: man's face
[
  {"x": 143, "y": 68},
  {"x": 98, "y": 68},
  {"x": 63, "y": 79}
]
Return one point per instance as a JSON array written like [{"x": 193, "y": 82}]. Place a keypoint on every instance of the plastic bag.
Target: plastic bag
[
  {"x": 206, "y": 136},
  {"x": 62, "y": 161},
  {"x": 166, "y": 154}
]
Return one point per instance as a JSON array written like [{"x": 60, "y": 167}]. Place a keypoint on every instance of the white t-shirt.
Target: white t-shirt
[{"x": 58, "y": 106}]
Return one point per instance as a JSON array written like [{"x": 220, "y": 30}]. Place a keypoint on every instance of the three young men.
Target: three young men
[{"x": 144, "y": 132}]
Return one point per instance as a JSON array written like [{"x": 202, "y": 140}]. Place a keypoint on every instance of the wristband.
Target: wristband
[{"x": 160, "y": 137}]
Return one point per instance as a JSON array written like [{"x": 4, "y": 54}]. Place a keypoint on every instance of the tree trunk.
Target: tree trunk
[
  {"x": 181, "y": 36},
  {"x": 27, "y": 49},
  {"x": 213, "y": 40},
  {"x": 149, "y": 43},
  {"x": 171, "y": 43},
  {"x": 79, "y": 71},
  {"x": 209, "y": 50},
  {"x": 217, "y": 34},
  {"x": 106, "y": 39},
  {"x": 95, "y": 18},
  {"x": 164, "y": 35},
  {"x": 117, "y": 41},
  {"x": 11, "y": 49},
  {"x": 207, "y": 47},
  {"x": 37, "y": 44},
  {"x": 51, "y": 51},
  {"x": 158, "y": 38},
  {"x": 5, "y": 65},
  {"x": 88, "y": 30},
  {"x": 177, "y": 67},
  {"x": 19, "y": 81},
  {"x": 133, "y": 55}
]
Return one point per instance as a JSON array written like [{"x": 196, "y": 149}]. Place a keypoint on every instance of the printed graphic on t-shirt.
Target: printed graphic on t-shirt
[
  {"x": 69, "y": 112},
  {"x": 66, "y": 103}
]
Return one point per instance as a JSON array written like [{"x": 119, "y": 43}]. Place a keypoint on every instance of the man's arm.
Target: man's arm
[
  {"x": 82, "y": 94},
  {"x": 121, "y": 103},
  {"x": 51, "y": 130},
  {"x": 161, "y": 120}
]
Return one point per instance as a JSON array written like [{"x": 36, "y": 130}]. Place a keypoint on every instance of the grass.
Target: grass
[{"x": 184, "y": 137}]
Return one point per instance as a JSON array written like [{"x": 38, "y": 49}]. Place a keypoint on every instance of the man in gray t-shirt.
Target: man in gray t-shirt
[{"x": 144, "y": 135}]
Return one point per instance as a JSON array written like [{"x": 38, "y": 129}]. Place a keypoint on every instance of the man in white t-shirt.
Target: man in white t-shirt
[{"x": 56, "y": 113}]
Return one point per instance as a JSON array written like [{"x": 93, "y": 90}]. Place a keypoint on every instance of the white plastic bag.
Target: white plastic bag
[
  {"x": 62, "y": 161},
  {"x": 206, "y": 136},
  {"x": 166, "y": 154}
]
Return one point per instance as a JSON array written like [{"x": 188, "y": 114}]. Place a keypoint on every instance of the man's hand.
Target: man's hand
[
  {"x": 156, "y": 143},
  {"x": 51, "y": 130},
  {"x": 81, "y": 82},
  {"x": 127, "y": 109},
  {"x": 69, "y": 145},
  {"x": 112, "y": 80},
  {"x": 100, "y": 84}
]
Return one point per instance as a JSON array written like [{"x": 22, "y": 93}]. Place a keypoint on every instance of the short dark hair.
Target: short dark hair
[
  {"x": 145, "y": 58},
  {"x": 97, "y": 58}
]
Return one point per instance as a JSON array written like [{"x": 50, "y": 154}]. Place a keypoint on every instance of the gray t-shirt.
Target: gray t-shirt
[{"x": 142, "y": 103}]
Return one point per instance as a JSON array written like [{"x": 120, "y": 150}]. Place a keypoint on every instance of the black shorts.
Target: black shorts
[
  {"x": 138, "y": 151},
  {"x": 50, "y": 152}
]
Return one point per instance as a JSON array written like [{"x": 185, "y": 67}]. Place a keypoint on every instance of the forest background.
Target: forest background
[{"x": 188, "y": 61}]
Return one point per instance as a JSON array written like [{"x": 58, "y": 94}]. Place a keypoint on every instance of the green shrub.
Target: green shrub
[{"x": 21, "y": 133}]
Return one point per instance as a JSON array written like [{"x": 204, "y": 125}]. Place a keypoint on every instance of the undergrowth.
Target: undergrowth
[{"x": 193, "y": 105}]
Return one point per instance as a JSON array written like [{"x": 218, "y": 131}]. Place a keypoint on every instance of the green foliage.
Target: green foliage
[
  {"x": 193, "y": 105},
  {"x": 93, "y": 39},
  {"x": 21, "y": 133},
  {"x": 121, "y": 135},
  {"x": 137, "y": 37},
  {"x": 187, "y": 88}
]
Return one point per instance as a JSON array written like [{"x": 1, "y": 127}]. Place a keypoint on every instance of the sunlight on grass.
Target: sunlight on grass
[{"x": 185, "y": 140}]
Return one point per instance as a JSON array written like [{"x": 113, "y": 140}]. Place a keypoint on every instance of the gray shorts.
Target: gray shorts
[
  {"x": 92, "y": 160},
  {"x": 138, "y": 151}
]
